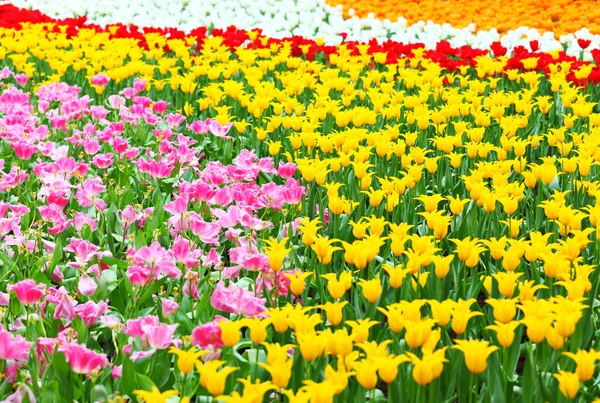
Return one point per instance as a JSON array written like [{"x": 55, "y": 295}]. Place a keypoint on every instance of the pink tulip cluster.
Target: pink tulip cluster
[{"x": 116, "y": 198}]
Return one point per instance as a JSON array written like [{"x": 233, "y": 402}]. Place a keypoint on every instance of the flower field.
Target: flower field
[{"x": 220, "y": 212}]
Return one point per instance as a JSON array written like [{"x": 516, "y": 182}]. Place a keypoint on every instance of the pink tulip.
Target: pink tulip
[
  {"x": 134, "y": 326},
  {"x": 286, "y": 169},
  {"x": 168, "y": 306},
  {"x": 13, "y": 348},
  {"x": 86, "y": 286},
  {"x": 90, "y": 311},
  {"x": 207, "y": 335},
  {"x": 100, "y": 80},
  {"x": 81, "y": 359},
  {"x": 87, "y": 194},
  {"x": 161, "y": 336},
  {"x": 160, "y": 106},
  {"x": 27, "y": 291},
  {"x": 23, "y": 149},
  {"x": 234, "y": 299}
]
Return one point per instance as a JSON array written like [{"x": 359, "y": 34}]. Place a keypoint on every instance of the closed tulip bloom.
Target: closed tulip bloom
[
  {"x": 230, "y": 332},
  {"x": 280, "y": 371},
  {"x": 279, "y": 319},
  {"x": 323, "y": 249},
  {"x": 339, "y": 343},
  {"x": 507, "y": 282},
  {"x": 505, "y": 332},
  {"x": 308, "y": 228},
  {"x": 334, "y": 311},
  {"x": 504, "y": 309},
  {"x": 568, "y": 383},
  {"x": 311, "y": 345},
  {"x": 258, "y": 328},
  {"x": 388, "y": 367},
  {"x": 536, "y": 327},
  {"x": 417, "y": 333},
  {"x": 216, "y": 380},
  {"x": 496, "y": 247},
  {"x": 396, "y": 275},
  {"x": 187, "y": 359},
  {"x": 371, "y": 289},
  {"x": 366, "y": 373},
  {"x": 276, "y": 252},
  {"x": 360, "y": 329},
  {"x": 457, "y": 205},
  {"x": 442, "y": 311},
  {"x": 513, "y": 226},
  {"x": 468, "y": 250},
  {"x": 335, "y": 287},
  {"x": 476, "y": 353},
  {"x": 586, "y": 363},
  {"x": 298, "y": 281},
  {"x": 511, "y": 259},
  {"x": 565, "y": 323},
  {"x": 555, "y": 340},
  {"x": 394, "y": 317},
  {"x": 442, "y": 265},
  {"x": 277, "y": 352},
  {"x": 460, "y": 318},
  {"x": 429, "y": 367},
  {"x": 430, "y": 202}
]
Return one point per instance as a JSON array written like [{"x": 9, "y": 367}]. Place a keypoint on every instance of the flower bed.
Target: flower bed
[
  {"x": 218, "y": 214},
  {"x": 474, "y": 23}
]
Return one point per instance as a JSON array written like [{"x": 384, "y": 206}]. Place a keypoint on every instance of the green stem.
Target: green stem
[{"x": 471, "y": 384}]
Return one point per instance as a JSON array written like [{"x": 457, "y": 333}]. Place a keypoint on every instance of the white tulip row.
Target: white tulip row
[{"x": 308, "y": 18}]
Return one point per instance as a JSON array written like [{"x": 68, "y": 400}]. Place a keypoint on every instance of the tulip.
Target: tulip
[
  {"x": 568, "y": 383},
  {"x": 504, "y": 309},
  {"x": 505, "y": 332},
  {"x": 258, "y": 328},
  {"x": 388, "y": 367},
  {"x": 417, "y": 333},
  {"x": 311, "y": 345},
  {"x": 230, "y": 332},
  {"x": 334, "y": 311},
  {"x": 297, "y": 281},
  {"x": 429, "y": 367},
  {"x": 371, "y": 289},
  {"x": 27, "y": 291},
  {"x": 476, "y": 353},
  {"x": 366, "y": 373},
  {"x": 155, "y": 396},
  {"x": 280, "y": 371},
  {"x": 323, "y": 249},
  {"x": 212, "y": 378},
  {"x": 586, "y": 363},
  {"x": 187, "y": 359},
  {"x": 276, "y": 251}
]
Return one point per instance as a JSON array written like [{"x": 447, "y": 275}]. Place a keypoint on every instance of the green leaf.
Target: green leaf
[
  {"x": 144, "y": 382},
  {"x": 62, "y": 373},
  {"x": 162, "y": 369},
  {"x": 111, "y": 261},
  {"x": 128, "y": 379},
  {"x": 56, "y": 256}
]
